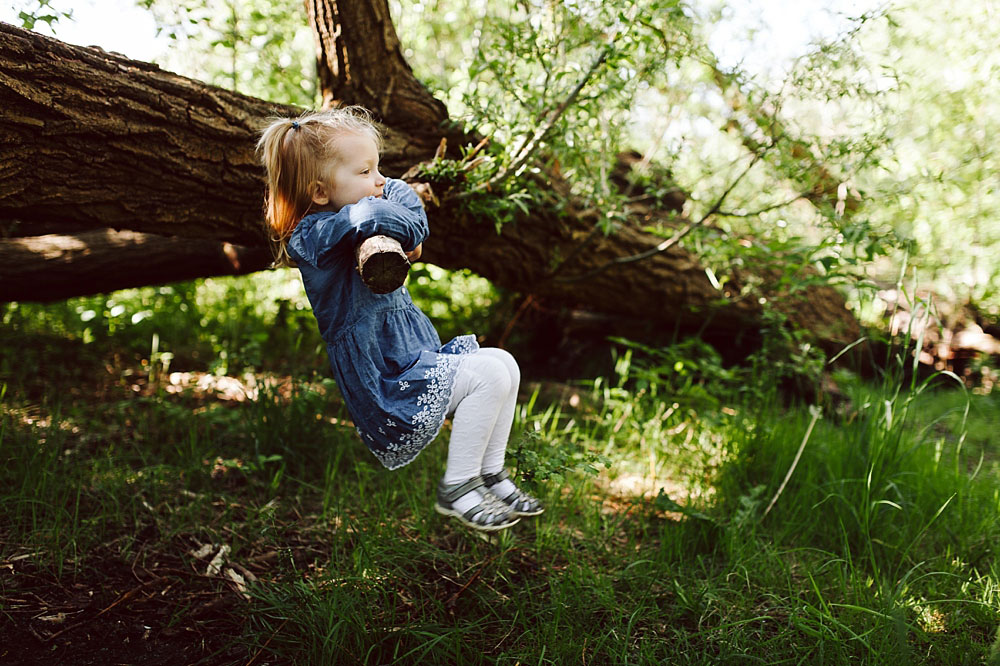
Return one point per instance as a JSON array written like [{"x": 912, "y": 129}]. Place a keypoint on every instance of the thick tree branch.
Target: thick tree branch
[
  {"x": 360, "y": 61},
  {"x": 95, "y": 140},
  {"x": 104, "y": 141}
]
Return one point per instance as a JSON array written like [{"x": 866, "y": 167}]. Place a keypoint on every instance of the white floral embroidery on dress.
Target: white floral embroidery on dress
[
  {"x": 465, "y": 344},
  {"x": 425, "y": 424}
]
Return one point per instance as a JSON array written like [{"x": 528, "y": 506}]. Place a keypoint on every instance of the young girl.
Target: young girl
[{"x": 325, "y": 196}]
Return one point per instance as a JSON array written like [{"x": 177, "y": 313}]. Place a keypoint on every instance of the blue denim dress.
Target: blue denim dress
[{"x": 388, "y": 360}]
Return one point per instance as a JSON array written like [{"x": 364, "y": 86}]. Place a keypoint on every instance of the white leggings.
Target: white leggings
[{"x": 482, "y": 401}]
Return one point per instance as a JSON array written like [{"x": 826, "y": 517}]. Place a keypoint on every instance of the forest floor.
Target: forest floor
[
  {"x": 202, "y": 518},
  {"x": 96, "y": 607}
]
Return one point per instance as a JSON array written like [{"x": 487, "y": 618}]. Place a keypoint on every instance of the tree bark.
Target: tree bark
[
  {"x": 101, "y": 261},
  {"x": 359, "y": 61},
  {"x": 92, "y": 141},
  {"x": 95, "y": 140}
]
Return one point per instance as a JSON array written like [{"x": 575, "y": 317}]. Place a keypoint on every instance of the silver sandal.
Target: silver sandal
[
  {"x": 520, "y": 503},
  {"x": 489, "y": 515}
]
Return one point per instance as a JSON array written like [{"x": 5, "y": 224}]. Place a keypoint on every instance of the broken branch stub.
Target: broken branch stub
[{"x": 382, "y": 263}]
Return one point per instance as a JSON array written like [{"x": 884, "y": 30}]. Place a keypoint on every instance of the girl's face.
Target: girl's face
[{"x": 352, "y": 175}]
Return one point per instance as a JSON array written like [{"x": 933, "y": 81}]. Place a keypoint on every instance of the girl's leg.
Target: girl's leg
[
  {"x": 481, "y": 386},
  {"x": 493, "y": 458},
  {"x": 496, "y": 449}
]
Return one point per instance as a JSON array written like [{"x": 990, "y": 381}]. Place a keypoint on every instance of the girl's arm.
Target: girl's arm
[
  {"x": 398, "y": 214},
  {"x": 400, "y": 192}
]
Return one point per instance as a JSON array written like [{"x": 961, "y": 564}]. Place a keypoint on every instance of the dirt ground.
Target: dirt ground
[{"x": 162, "y": 613}]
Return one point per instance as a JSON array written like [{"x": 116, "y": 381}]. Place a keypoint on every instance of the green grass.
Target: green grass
[{"x": 656, "y": 546}]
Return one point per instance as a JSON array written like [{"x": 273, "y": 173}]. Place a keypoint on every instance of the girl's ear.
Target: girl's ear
[{"x": 319, "y": 193}]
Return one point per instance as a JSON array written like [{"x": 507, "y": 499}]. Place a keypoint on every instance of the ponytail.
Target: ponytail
[{"x": 294, "y": 152}]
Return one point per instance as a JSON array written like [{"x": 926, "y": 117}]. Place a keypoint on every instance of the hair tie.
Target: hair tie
[{"x": 295, "y": 125}]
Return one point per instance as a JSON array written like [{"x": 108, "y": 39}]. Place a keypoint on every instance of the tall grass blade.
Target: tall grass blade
[{"x": 816, "y": 414}]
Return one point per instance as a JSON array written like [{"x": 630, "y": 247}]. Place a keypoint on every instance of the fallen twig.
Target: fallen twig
[{"x": 454, "y": 598}]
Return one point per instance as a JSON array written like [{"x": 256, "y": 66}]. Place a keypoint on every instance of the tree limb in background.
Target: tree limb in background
[
  {"x": 57, "y": 266},
  {"x": 158, "y": 153},
  {"x": 827, "y": 188}
]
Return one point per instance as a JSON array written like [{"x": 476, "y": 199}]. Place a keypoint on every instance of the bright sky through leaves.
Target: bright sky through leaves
[
  {"x": 765, "y": 36},
  {"x": 114, "y": 25}
]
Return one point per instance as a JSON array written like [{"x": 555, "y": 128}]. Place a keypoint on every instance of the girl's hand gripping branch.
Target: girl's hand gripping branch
[{"x": 382, "y": 262}]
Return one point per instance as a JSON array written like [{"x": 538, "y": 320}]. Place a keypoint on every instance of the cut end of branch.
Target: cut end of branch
[{"x": 383, "y": 264}]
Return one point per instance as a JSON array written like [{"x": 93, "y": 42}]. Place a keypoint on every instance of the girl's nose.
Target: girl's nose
[{"x": 379, "y": 179}]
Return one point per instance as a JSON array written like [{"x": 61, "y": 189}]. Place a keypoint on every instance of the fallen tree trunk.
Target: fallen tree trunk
[
  {"x": 98, "y": 141},
  {"x": 94, "y": 141},
  {"x": 100, "y": 261}
]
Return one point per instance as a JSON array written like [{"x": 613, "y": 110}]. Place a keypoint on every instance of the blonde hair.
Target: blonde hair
[{"x": 294, "y": 151}]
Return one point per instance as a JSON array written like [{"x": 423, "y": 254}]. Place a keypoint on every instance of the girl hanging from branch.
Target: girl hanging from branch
[{"x": 325, "y": 196}]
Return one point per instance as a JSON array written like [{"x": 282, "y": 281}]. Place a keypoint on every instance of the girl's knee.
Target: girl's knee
[
  {"x": 509, "y": 362},
  {"x": 493, "y": 375}
]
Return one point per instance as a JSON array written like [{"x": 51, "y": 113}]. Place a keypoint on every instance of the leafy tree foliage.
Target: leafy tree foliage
[
  {"x": 936, "y": 181},
  {"x": 639, "y": 75},
  {"x": 40, "y": 11}
]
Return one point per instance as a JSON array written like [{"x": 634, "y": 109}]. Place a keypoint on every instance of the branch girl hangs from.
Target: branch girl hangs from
[{"x": 325, "y": 196}]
